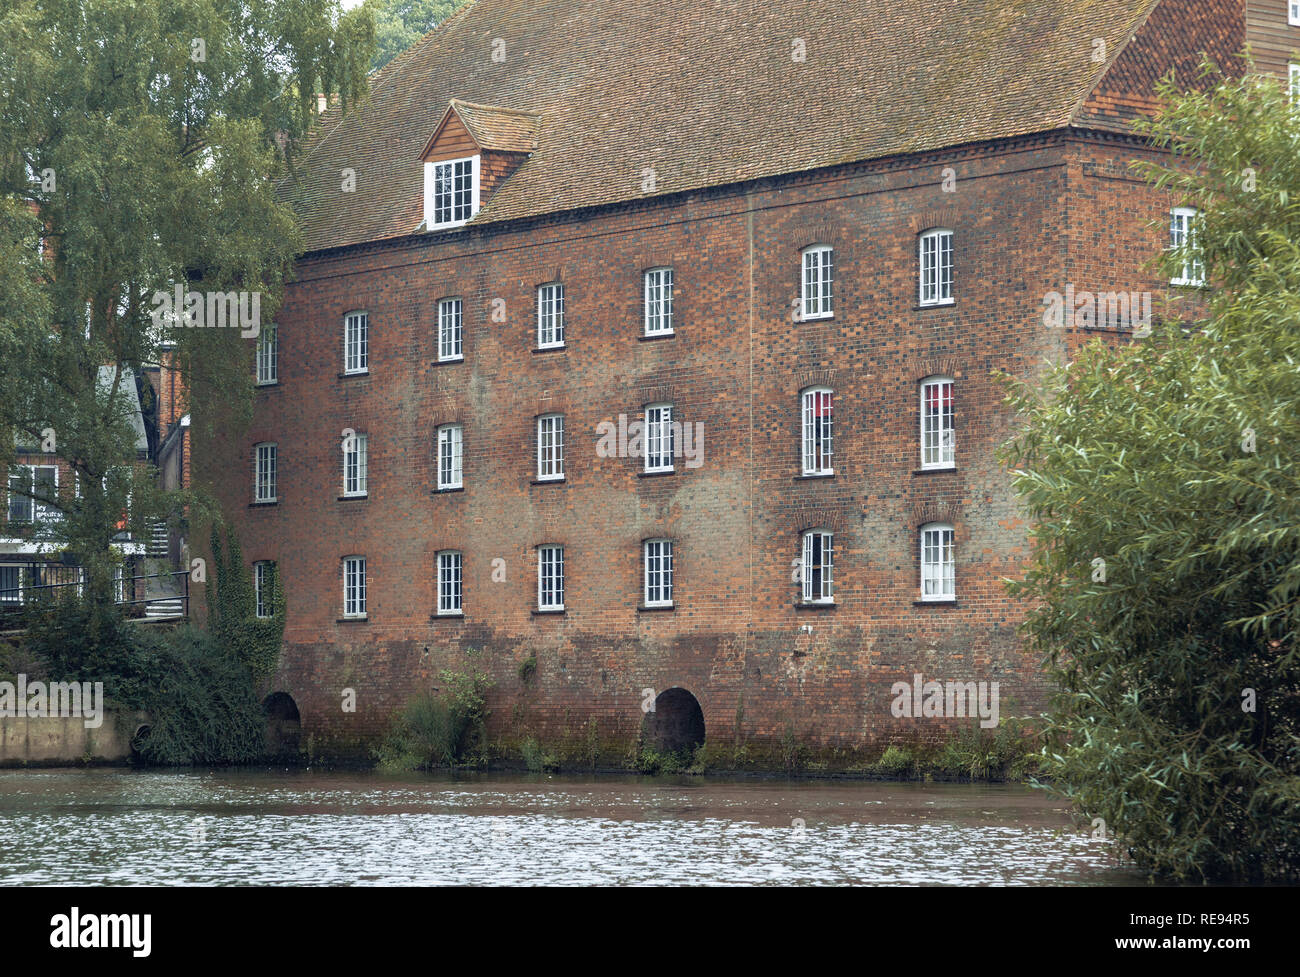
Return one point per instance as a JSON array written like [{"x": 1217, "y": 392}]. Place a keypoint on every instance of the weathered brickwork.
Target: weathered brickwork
[{"x": 1027, "y": 216}]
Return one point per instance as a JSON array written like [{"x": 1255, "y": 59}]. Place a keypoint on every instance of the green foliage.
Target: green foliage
[
  {"x": 204, "y": 709},
  {"x": 536, "y": 758},
  {"x": 144, "y": 163},
  {"x": 200, "y": 698},
  {"x": 84, "y": 641},
  {"x": 794, "y": 755},
  {"x": 527, "y": 669},
  {"x": 652, "y": 762},
  {"x": 232, "y": 611},
  {"x": 896, "y": 762},
  {"x": 400, "y": 23},
  {"x": 978, "y": 754},
  {"x": 1176, "y": 462},
  {"x": 443, "y": 730}
]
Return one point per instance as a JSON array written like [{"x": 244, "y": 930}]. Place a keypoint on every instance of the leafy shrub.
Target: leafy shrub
[
  {"x": 536, "y": 759},
  {"x": 446, "y": 729},
  {"x": 204, "y": 709},
  {"x": 895, "y": 761},
  {"x": 1163, "y": 480}
]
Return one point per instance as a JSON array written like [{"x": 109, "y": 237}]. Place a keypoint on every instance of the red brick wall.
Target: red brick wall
[{"x": 1026, "y": 216}]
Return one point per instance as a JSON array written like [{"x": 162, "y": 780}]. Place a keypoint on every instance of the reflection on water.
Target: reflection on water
[{"x": 275, "y": 827}]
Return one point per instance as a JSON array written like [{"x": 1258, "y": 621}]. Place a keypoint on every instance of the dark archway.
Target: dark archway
[
  {"x": 283, "y": 725},
  {"x": 677, "y": 723}
]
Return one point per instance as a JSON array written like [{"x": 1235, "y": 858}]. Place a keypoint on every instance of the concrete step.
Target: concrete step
[{"x": 168, "y": 607}]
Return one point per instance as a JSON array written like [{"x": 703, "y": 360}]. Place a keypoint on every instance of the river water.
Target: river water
[{"x": 270, "y": 827}]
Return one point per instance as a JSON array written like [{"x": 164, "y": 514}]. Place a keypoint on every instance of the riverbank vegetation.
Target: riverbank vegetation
[
  {"x": 1163, "y": 478},
  {"x": 198, "y": 688},
  {"x": 443, "y": 727}
]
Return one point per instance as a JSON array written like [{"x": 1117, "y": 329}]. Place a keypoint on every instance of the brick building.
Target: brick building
[{"x": 654, "y": 344}]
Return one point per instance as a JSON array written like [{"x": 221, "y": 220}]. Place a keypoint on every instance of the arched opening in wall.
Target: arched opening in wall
[
  {"x": 676, "y": 725},
  {"x": 283, "y": 725}
]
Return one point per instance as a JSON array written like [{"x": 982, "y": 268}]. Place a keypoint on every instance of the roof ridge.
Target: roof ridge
[{"x": 494, "y": 108}]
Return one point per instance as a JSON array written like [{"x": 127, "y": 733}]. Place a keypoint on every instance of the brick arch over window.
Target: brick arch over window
[
  {"x": 667, "y": 257},
  {"x": 926, "y": 512},
  {"x": 557, "y": 403},
  {"x": 810, "y": 235},
  {"x": 447, "y": 412},
  {"x": 654, "y": 392},
  {"x": 935, "y": 217},
  {"x": 546, "y": 274},
  {"x": 924, "y": 367},
  {"x": 807, "y": 518},
  {"x": 803, "y": 379}
]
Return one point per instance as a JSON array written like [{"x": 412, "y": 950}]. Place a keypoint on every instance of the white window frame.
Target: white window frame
[
  {"x": 938, "y": 576},
  {"x": 818, "y": 444},
  {"x": 356, "y": 466},
  {"x": 657, "y": 560},
  {"x": 819, "y": 545},
  {"x": 550, "y": 448},
  {"x": 37, "y": 512},
  {"x": 451, "y": 580},
  {"x": 270, "y": 477},
  {"x": 938, "y": 428},
  {"x": 658, "y": 302},
  {"x": 817, "y": 281},
  {"x": 451, "y": 450},
  {"x": 658, "y": 429},
  {"x": 1293, "y": 82},
  {"x": 431, "y": 193},
  {"x": 550, "y": 315},
  {"x": 550, "y": 577},
  {"x": 1183, "y": 223},
  {"x": 451, "y": 330},
  {"x": 268, "y": 356},
  {"x": 1293, "y": 13},
  {"x": 933, "y": 245},
  {"x": 263, "y": 582},
  {"x": 356, "y": 343},
  {"x": 354, "y": 587}
]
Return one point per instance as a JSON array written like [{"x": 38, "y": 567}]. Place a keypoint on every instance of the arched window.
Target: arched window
[
  {"x": 449, "y": 582},
  {"x": 450, "y": 447},
  {"x": 1183, "y": 226},
  {"x": 818, "y": 410},
  {"x": 818, "y": 567},
  {"x": 660, "y": 443},
  {"x": 938, "y": 565},
  {"x": 659, "y": 302},
  {"x": 936, "y": 266},
  {"x": 356, "y": 342},
  {"x": 937, "y": 423},
  {"x": 818, "y": 277},
  {"x": 451, "y": 340},
  {"x": 658, "y": 572}
]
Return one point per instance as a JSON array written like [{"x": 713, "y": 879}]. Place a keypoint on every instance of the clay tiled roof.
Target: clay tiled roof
[
  {"x": 507, "y": 130},
  {"x": 701, "y": 93}
]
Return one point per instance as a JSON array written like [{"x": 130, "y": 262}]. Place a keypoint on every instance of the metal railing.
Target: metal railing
[{"x": 41, "y": 582}]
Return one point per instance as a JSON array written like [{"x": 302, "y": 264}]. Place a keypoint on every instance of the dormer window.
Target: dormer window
[
  {"x": 472, "y": 152},
  {"x": 451, "y": 192}
]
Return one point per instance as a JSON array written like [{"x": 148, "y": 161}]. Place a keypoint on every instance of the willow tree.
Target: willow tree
[
  {"x": 1163, "y": 477},
  {"x": 140, "y": 144}
]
